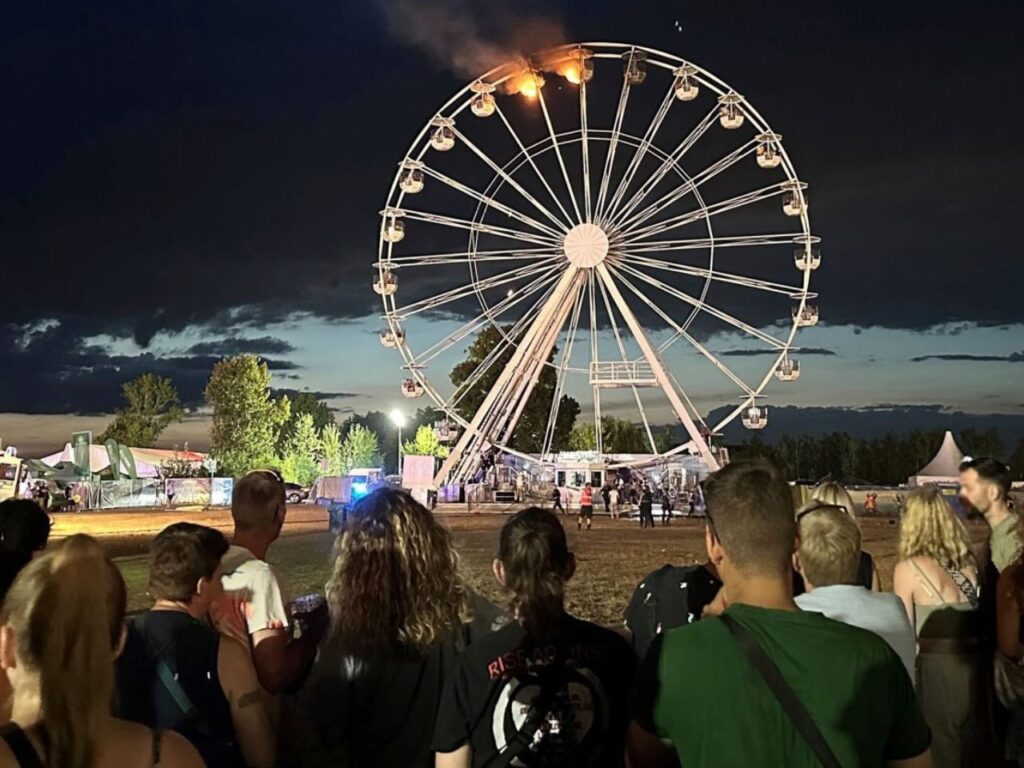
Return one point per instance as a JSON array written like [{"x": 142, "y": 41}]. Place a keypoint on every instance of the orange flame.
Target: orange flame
[
  {"x": 525, "y": 82},
  {"x": 571, "y": 72}
]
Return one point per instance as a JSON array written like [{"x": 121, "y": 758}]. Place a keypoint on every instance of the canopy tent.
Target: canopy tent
[
  {"x": 147, "y": 460},
  {"x": 943, "y": 468}
]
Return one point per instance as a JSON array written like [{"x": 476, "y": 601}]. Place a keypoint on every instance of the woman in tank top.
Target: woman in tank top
[
  {"x": 937, "y": 579},
  {"x": 63, "y": 626}
]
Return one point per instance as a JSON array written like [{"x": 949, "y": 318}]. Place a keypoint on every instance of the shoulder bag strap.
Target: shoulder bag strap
[
  {"x": 964, "y": 585},
  {"x": 25, "y": 754},
  {"x": 791, "y": 705}
]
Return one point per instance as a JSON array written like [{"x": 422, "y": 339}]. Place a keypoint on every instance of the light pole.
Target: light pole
[{"x": 398, "y": 419}]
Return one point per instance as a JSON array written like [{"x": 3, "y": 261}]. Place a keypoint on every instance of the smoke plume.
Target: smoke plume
[{"x": 467, "y": 38}]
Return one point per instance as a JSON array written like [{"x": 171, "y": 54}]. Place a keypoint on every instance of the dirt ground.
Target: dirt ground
[{"x": 612, "y": 557}]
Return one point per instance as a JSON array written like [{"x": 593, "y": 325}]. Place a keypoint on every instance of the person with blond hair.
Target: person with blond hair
[
  {"x": 828, "y": 559},
  {"x": 831, "y": 492},
  {"x": 937, "y": 579},
  {"x": 62, "y": 628},
  {"x": 397, "y": 604}
]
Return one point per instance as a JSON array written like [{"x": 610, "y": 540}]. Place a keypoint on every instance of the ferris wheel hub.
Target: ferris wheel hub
[{"x": 586, "y": 245}]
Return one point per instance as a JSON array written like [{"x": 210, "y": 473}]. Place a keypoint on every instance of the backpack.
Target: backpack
[{"x": 671, "y": 596}]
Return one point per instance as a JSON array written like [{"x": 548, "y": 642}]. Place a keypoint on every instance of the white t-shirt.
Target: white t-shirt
[
  {"x": 879, "y": 612},
  {"x": 244, "y": 572}
]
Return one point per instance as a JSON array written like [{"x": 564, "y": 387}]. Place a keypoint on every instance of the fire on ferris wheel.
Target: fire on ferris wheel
[{"x": 620, "y": 216}]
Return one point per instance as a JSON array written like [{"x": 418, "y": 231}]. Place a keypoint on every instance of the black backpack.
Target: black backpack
[{"x": 671, "y": 596}]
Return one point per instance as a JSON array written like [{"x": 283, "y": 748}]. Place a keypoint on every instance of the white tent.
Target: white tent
[
  {"x": 99, "y": 461},
  {"x": 943, "y": 468}
]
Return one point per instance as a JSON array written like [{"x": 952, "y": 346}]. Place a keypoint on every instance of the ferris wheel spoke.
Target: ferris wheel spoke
[
  {"x": 511, "y": 181},
  {"x": 682, "y": 332},
  {"x": 625, "y": 359},
  {"x": 668, "y": 163},
  {"x": 439, "y": 300},
  {"x": 585, "y": 149},
  {"x": 479, "y": 226},
  {"x": 556, "y": 401},
  {"x": 485, "y": 317},
  {"x": 691, "y": 187},
  {"x": 640, "y": 153},
  {"x": 722, "y": 206},
  {"x": 491, "y": 202},
  {"x": 558, "y": 152},
  {"x": 792, "y": 291},
  {"x": 529, "y": 159},
  {"x": 592, "y": 301},
  {"x": 705, "y": 307},
  {"x": 701, "y": 243},
  {"x": 507, "y": 339},
  {"x": 609, "y": 159},
  {"x": 466, "y": 257}
]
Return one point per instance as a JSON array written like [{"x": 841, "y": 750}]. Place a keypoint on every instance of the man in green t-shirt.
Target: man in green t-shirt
[{"x": 699, "y": 695}]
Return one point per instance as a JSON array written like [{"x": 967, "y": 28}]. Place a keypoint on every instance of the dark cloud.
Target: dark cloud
[
  {"x": 235, "y": 346},
  {"x": 1013, "y": 357},
  {"x": 316, "y": 393},
  {"x": 176, "y": 170},
  {"x": 759, "y": 352},
  {"x": 52, "y": 371}
]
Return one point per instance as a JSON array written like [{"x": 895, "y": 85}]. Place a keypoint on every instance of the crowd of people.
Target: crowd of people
[{"x": 779, "y": 650}]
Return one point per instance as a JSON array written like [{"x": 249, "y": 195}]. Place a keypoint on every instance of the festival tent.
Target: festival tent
[
  {"x": 943, "y": 468},
  {"x": 99, "y": 461}
]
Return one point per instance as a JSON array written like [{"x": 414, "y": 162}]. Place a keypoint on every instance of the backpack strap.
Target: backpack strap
[
  {"x": 25, "y": 754},
  {"x": 791, "y": 705}
]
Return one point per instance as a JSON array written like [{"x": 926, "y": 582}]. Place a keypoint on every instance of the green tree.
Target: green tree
[
  {"x": 982, "y": 442},
  {"x": 304, "y": 403},
  {"x": 360, "y": 448},
  {"x": 623, "y": 436},
  {"x": 530, "y": 430},
  {"x": 330, "y": 449},
  {"x": 664, "y": 440},
  {"x": 298, "y": 460},
  {"x": 151, "y": 405},
  {"x": 246, "y": 418},
  {"x": 583, "y": 437},
  {"x": 425, "y": 443}
]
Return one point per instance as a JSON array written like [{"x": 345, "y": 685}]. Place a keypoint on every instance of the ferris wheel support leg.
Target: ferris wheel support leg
[
  {"x": 539, "y": 358},
  {"x": 499, "y": 394},
  {"x": 656, "y": 367}
]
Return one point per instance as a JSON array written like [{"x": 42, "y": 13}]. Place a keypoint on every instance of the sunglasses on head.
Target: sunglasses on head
[
  {"x": 272, "y": 472},
  {"x": 817, "y": 508}
]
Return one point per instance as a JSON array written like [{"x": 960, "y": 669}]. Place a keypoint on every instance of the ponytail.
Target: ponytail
[
  {"x": 67, "y": 610},
  {"x": 535, "y": 556}
]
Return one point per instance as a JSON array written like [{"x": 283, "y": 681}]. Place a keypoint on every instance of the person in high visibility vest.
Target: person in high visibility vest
[{"x": 586, "y": 507}]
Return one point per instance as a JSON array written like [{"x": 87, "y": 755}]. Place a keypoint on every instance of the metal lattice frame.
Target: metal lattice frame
[{"x": 562, "y": 297}]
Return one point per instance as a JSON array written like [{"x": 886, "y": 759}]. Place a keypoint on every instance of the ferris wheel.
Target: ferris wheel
[{"x": 628, "y": 226}]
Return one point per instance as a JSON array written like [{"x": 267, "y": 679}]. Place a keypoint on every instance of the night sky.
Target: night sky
[{"x": 186, "y": 180}]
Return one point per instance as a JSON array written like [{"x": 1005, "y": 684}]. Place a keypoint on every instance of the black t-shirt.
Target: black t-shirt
[
  {"x": 567, "y": 700},
  {"x": 377, "y": 713},
  {"x": 167, "y": 678},
  {"x": 671, "y": 596}
]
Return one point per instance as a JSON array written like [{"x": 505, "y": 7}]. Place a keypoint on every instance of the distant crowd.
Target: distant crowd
[{"x": 778, "y": 650}]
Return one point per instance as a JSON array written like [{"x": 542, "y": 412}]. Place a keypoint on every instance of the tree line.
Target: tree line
[
  {"x": 253, "y": 426},
  {"x": 886, "y": 460}
]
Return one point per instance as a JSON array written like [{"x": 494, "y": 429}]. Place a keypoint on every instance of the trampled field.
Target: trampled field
[{"x": 612, "y": 557}]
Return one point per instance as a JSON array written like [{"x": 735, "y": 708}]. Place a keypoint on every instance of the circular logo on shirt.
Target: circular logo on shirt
[{"x": 552, "y": 717}]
